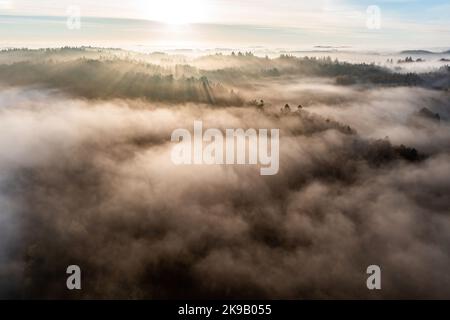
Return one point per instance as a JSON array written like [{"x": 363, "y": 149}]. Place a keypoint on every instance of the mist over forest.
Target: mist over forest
[{"x": 86, "y": 177}]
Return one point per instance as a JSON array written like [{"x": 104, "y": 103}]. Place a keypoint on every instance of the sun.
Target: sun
[{"x": 175, "y": 12}]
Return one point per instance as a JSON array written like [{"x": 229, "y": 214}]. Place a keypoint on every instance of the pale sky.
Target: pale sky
[{"x": 406, "y": 22}]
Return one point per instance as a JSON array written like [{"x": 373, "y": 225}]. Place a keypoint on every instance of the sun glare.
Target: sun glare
[{"x": 175, "y": 12}]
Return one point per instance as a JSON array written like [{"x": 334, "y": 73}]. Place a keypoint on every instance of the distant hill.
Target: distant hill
[{"x": 418, "y": 52}]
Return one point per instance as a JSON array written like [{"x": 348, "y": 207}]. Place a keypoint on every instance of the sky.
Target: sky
[{"x": 399, "y": 23}]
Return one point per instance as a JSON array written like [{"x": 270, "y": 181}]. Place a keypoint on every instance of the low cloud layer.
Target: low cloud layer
[{"x": 91, "y": 183}]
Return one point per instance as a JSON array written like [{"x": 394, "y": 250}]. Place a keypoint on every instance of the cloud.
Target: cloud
[{"x": 91, "y": 183}]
